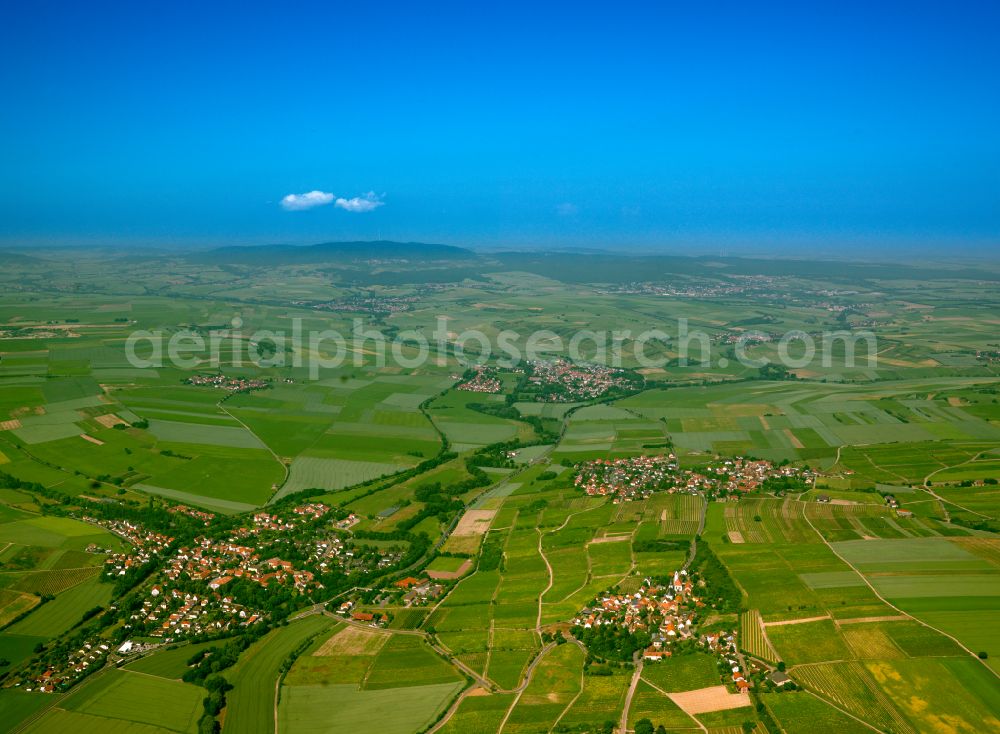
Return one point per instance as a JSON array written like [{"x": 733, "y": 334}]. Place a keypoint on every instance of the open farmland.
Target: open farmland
[
  {"x": 379, "y": 548},
  {"x": 64, "y": 611},
  {"x": 251, "y": 704},
  {"x": 937, "y": 581},
  {"x": 345, "y": 708},
  {"x": 123, "y": 701},
  {"x": 335, "y": 685}
]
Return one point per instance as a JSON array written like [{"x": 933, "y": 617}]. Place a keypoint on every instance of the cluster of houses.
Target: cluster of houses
[
  {"x": 264, "y": 522},
  {"x": 166, "y": 615},
  {"x": 893, "y": 504},
  {"x": 348, "y": 522},
  {"x": 485, "y": 380},
  {"x": 674, "y": 290},
  {"x": 745, "y": 475},
  {"x": 233, "y": 384},
  {"x": 325, "y": 550},
  {"x": 837, "y": 307},
  {"x": 419, "y": 591},
  {"x": 147, "y": 544},
  {"x": 668, "y": 613},
  {"x": 172, "y": 614},
  {"x": 335, "y": 551},
  {"x": 91, "y": 656},
  {"x": 374, "y": 619},
  {"x": 205, "y": 517},
  {"x": 364, "y": 304},
  {"x": 219, "y": 562},
  {"x": 562, "y": 381},
  {"x": 723, "y": 644},
  {"x": 638, "y": 477},
  {"x": 748, "y": 338},
  {"x": 628, "y": 478}
]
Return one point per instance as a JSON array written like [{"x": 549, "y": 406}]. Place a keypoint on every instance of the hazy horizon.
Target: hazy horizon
[{"x": 776, "y": 130}]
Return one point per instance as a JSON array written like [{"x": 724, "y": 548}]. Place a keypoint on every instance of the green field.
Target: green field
[
  {"x": 63, "y": 612},
  {"x": 337, "y": 708},
  {"x": 251, "y": 704},
  {"x": 170, "y": 664},
  {"x": 123, "y": 701}
]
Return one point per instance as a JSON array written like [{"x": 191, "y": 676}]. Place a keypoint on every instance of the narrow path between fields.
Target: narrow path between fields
[
  {"x": 803, "y": 620},
  {"x": 583, "y": 679},
  {"x": 524, "y": 684},
  {"x": 284, "y": 467},
  {"x": 636, "y": 675},
  {"x": 941, "y": 500},
  {"x": 538, "y": 620}
]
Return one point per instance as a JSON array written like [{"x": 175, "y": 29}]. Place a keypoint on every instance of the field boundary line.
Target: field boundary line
[
  {"x": 843, "y": 711},
  {"x": 452, "y": 710},
  {"x": 284, "y": 466},
  {"x": 575, "y": 698},
  {"x": 863, "y": 620},
  {"x": 538, "y": 619},
  {"x": 589, "y": 577},
  {"x": 802, "y": 620},
  {"x": 667, "y": 696}
]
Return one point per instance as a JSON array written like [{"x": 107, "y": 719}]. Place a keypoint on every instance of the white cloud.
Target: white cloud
[
  {"x": 298, "y": 202},
  {"x": 364, "y": 203},
  {"x": 567, "y": 209}
]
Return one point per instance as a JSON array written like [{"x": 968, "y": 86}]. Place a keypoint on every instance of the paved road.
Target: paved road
[{"x": 623, "y": 724}]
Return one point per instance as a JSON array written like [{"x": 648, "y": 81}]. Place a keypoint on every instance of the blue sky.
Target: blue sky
[{"x": 674, "y": 126}]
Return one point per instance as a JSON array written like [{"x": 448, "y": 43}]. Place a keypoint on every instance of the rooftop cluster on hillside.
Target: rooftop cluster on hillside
[
  {"x": 665, "y": 611},
  {"x": 219, "y": 563},
  {"x": 91, "y": 656},
  {"x": 632, "y": 478}
]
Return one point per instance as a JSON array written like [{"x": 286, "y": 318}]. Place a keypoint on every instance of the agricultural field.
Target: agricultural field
[
  {"x": 251, "y": 703},
  {"x": 168, "y": 663},
  {"x": 122, "y": 701},
  {"x": 937, "y": 581},
  {"x": 340, "y": 678},
  {"x": 379, "y": 473},
  {"x": 801, "y": 711},
  {"x": 48, "y": 579},
  {"x": 555, "y": 684},
  {"x": 479, "y": 713}
]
